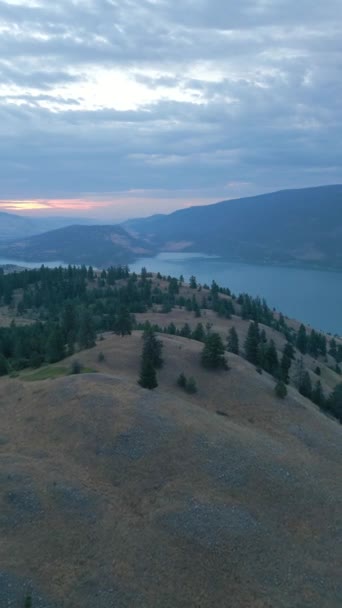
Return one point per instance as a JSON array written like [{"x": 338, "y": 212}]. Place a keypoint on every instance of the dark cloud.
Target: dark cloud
[{"x": 247, "y": 92}]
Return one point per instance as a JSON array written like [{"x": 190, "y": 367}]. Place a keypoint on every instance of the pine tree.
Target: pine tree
[
  {"x": 86, "y": 334},
  {"x": 213, "y": 352},
  {"x": 152, "y": 348},
  {"x": 289, "y": 350},
  {"x": 198, "y": 333},
  {"x": 193, "y": 282},
  {"x": 123, "y": 322},
  {"x": 233, "y": 341},
  {"x": 181, "y": 380},
  {"x": 318, "y": 395},
  {"x": 28, "y": 601},
  {"x": 305, "y": 387},
  {"x": 302, "y": 340},
  {"x": 271, "y": 359},
  {"x": 55, "y": 348},
  {"x": 148, "y": 376},
  {"x": 185, "y": 332},
  {"x": 334, "y": 404},
  {"x": 3, "y": 366},
  {"x": 280, "y": 389},
  {"x": 252, "y": 343},
  {"x": 285, "y": 365},
  {"x": 69, "y": 324}
]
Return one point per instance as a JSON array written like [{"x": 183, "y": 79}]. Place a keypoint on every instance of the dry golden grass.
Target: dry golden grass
[{"x": 112, "y": 495}]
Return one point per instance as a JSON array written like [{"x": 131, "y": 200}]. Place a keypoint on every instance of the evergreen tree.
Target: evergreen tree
[
  {"x": 305, "y": 387},
  {"x": 86, "y": 334},
  {"x": 55, "y": 348},
  {"x": 333, "y": 348},
  {"x": 280, "y": 389},
  {"x": 318, "y": 395},
  {"x": 299, "y": 372},
  {"x": 181, "y": 380},
  {"x": 193, "y": 282},
  {"x": 123, "y": 322},
  {"x": 302, "y": 340},
  {"x": 263, "y": 337},
  {"x": 271, "y": 359},
  {"x": 233, "y": 341},
  {"x": 185, "y": 332},
  {"x": 69, "y": 323},
  {"x": 252, "y": 343},
  {"x": 261, "y": 356},
  {"x": 171, "y": 329},
  {"x": 213, "y": 352},
  {"x": 289, "y": 350},
  {"x": 28, "y": 601},
  {"x": 152, "y": 348},
  {"x": 148, "y": 376},
  {"x": 285, "y": 366},
  {"x": 3, "y": 366},
  {"x": 198, "y": 333},
  {"x": 334, "y": 404}
]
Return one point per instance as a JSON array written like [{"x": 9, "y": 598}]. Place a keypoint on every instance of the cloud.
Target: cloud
[{"x": 195, "y": 99}]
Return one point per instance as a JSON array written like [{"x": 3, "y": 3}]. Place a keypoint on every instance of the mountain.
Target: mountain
[
  {"x": 15, "y": 226},
  {"x": 299, "y": 227},
  {"x": 116, "y": 496},
  {"x": 97, "y": 245}
]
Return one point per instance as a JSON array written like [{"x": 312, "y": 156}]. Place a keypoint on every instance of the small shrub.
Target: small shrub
[
  {"x": 28, "y": 601},
  {"x": 280, "y": 389},
  {"x": 188, "y": 384},
  {"x": 191, "y": 386},
  {"x": 101, "y": 357},
  {"x": 318, "y": 371},
  {"x": 76, "y": 367},
  {"x": 181, "y": 380}
]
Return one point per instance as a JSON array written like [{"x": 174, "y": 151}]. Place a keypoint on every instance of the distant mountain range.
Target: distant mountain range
[
  {"x": 299, "y": 227},
  {"x": 17, "y": 227},
  {"x": 290, "y": 227},
  {"x": 97, "y": 245}
]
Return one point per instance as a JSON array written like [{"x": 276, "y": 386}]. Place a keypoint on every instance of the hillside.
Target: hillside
[
  {"x": 117, "y": 496},
  {"x": 97, "y": 245},
  {"x": 114, "y": 495},
  {"x": 293, "y": 227}
]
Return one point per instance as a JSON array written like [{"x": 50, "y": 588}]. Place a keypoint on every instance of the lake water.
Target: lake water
[{"x": 312, "y": 296}]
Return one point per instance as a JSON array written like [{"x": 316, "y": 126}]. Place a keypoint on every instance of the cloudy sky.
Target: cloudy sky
[{"x": 120, "y": 108}]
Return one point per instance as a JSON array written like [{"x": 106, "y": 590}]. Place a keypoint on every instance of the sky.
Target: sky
[{"x": 123, "y": 108}]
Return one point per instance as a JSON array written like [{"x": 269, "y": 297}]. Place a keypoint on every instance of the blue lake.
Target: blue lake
[{"x": 312, "y": 296}]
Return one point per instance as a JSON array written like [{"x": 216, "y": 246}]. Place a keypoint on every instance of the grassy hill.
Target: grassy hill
[
  {"x": 114, "y": 495},
  {"x": 299, "y": 227}
]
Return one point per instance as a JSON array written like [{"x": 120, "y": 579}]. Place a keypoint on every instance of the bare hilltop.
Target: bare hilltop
[{"x": 116, "y": 496}]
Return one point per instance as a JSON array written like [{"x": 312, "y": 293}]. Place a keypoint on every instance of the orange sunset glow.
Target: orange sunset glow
[{"x": 58, "y": 204}]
